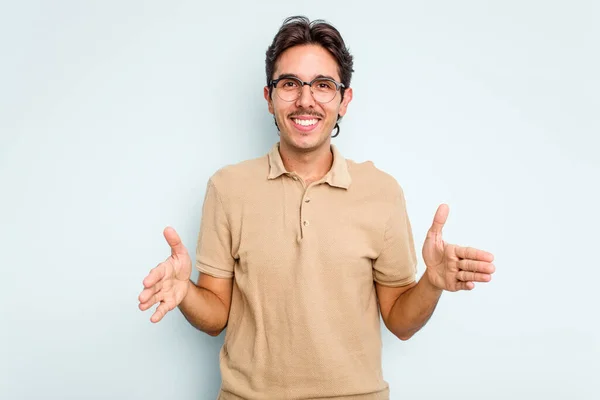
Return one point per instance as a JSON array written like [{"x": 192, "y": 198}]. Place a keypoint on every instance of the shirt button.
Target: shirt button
[{"x": 305, "y": 223}]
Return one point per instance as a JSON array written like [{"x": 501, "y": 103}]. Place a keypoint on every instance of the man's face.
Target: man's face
[{"x": 306, "y": 124}]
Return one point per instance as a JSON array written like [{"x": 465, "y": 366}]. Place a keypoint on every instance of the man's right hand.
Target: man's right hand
[{"x": 169, "y": 281}]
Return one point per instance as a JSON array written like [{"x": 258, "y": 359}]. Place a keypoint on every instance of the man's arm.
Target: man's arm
[
  {"x": 206, "y": 304},
  {"x": 406, "y": 309}
]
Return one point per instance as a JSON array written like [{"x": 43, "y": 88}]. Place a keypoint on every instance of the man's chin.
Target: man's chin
[{"x": 304, "y": 142}]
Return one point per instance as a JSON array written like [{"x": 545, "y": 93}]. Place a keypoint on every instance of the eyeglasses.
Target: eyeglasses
[{"x": 322, "y": 89}]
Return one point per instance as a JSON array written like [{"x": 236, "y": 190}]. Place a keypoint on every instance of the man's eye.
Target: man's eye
[{"x": 325, "y": 85}]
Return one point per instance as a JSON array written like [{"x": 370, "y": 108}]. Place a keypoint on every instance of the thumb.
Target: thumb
[
  {"x": 177, "y": 248},
  {"x": 439, "y": 220}
]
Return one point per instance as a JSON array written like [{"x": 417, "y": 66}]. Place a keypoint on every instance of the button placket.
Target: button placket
[
  {"x": 302, "y": 222},
  {"x": 304, "y": 218}
]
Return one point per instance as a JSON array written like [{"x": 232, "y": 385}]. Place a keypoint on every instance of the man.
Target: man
[{"x": 301, "y": 251}]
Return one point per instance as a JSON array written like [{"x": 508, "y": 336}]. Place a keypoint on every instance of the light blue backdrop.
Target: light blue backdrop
[{"x": 113, "y": 114}]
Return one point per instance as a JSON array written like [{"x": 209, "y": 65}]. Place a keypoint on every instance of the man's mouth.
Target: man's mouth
[{"x": 305, "y": 122}]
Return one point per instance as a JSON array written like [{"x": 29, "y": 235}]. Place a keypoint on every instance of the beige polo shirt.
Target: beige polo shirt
[{"x": 304, "y": 320}]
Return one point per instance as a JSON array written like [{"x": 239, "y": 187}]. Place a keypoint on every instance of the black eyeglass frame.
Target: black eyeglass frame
[{"x": 338, "y": 86}]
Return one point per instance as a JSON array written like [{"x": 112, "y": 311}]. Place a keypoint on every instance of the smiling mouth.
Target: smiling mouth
[{"x": 305, "y": 122}]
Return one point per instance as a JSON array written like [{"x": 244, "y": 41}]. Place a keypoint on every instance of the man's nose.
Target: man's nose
[{"x": 306, "y": 98}]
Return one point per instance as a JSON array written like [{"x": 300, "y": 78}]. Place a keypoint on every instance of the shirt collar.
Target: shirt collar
[{"x": 338, "y": 175}]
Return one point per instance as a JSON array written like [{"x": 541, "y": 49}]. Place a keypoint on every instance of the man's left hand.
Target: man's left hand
[{"x": 451, "y": 267}]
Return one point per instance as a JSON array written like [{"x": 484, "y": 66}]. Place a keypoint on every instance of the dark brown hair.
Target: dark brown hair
[{"x": 300, "y": 30}]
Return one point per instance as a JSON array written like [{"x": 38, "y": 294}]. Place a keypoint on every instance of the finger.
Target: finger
[
  {"x": 156, "y": 275},
  {"x": 441, "y": 215},
  {"x": 149, "y": 292},
  {"x": 156, "y": 298},
  {"x": 465, "y": 286},
  {"x": 177, "y": 248},
  {"x": 473, "y": 254},
  {"x": 160, "y": 312},
  {"x": 467, "y": 276},
  {"x": 477, "y": 266}
]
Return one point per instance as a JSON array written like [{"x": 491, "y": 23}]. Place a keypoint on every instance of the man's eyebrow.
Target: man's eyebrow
[
  {"x": 282, "y": 76},
  {"x": 325, "y": 76}
]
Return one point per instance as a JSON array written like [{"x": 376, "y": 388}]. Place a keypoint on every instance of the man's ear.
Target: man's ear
[
  {"x": 269, "y": 100},
  {"x": 347, "y": 99}
]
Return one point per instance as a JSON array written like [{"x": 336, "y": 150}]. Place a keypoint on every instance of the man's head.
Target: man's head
[{"x": 303, "y": 51}]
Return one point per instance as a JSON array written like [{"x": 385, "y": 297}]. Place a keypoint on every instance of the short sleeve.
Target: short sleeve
[
  {"x": 213, "y": 250},
  {"x": 396, "y": 265}
]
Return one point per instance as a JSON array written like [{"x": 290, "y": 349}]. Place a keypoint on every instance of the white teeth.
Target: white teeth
[{"x": 306, "y": 122}]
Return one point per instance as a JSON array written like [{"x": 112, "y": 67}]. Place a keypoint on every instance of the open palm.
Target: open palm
[
  {"x": 167, "y": 283},
  {"x": 451, "y": 267}
]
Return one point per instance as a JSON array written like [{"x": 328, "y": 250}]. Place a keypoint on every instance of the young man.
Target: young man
[{"x": 301, "y": 251}]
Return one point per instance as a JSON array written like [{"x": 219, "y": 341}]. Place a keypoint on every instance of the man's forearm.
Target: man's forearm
[
  {"x": 204, "y": 310},
  {"x": 413, "y": 308}
]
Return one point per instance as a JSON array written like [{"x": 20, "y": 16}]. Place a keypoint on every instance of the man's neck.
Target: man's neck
[{"x": 310, "y": 166}]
